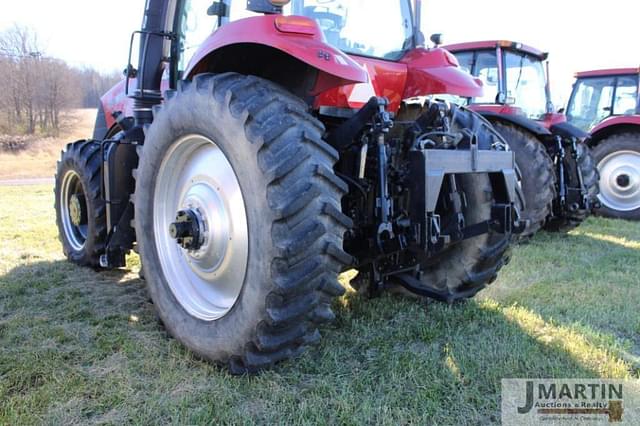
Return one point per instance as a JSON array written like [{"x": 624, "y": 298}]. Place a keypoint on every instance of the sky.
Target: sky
[{"x": 578, "y": 34}]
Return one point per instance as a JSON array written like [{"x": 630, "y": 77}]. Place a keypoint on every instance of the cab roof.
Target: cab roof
[
  {"x": 492, "y": 44},
  {"x": 608, "y": 72}
]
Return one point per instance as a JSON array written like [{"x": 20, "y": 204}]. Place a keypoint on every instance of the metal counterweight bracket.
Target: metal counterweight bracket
[{"x": 429, "y": 168}]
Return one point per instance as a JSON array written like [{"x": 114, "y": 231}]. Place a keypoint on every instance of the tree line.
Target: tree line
[{"x": 35, "y": 89}]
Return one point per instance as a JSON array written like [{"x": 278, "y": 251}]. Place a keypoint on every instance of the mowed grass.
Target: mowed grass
[{"x": 78, "y": 346}]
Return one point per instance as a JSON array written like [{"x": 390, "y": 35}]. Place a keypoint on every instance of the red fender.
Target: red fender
[
  {"x": 435, "y": 72},
  {"x": 386, "y": 79},
  {"x": 551, "y": 119},
  {"x": 297, "y": 36},
  {"x": 497, "y": 109},
  {"x": 420, "y": 72},
  {"x": 632, "y": 120}
]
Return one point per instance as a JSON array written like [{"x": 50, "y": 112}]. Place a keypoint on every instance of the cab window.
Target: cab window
[{"x": 626, "y": 98}]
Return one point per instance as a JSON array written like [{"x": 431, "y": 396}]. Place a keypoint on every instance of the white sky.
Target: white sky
[{"x": 579, "y": 34}]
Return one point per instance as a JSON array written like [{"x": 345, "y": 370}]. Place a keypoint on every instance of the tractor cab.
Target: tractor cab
[
  {"x": 517, "y": 101},
  {"x": 606, "y": 103},
  {"x": 326, "y": 51},
  {"x": 599, "y": 95},
  {"x": 513, "y": 75},
  {"x": 346, "y": 25}
]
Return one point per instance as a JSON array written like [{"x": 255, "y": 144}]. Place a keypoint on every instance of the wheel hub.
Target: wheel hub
[
  {"x": 620, "y": 180},
  {"x": 623, "y": 181},
  {"x": 76, "y": 213},
  {"x": 186, "y": 230}
]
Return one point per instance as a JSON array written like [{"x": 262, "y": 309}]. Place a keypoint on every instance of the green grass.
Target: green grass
[{"x": 83, "y": 347}]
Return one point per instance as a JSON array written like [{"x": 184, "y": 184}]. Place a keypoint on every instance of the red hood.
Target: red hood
[{"x": 437, "y": 72}]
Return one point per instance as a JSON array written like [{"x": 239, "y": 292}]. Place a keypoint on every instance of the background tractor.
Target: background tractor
[
  {"x": 606, "y": 103},
  {"x": 559, "y": 177},
  {"x": 258, "y": 149}
]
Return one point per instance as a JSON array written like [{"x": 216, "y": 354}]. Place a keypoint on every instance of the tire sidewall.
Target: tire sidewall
[
  {"x": 538, "y": 197},
  {"x": 209, "y": 117}
]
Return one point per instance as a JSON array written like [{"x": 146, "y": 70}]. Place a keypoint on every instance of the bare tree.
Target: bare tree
[
  {"x": 94, "y": 84},
  {"x": 37, "y": 88},
  {"x": 19, "y": 45}
]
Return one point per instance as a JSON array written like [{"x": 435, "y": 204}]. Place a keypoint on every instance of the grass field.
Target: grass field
[{"x": 83, "y": 347}]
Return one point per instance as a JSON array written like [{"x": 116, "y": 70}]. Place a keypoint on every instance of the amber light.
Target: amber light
[
  {"x": 507, "y": 43},
  {"x": 296, "y": 24},
  {"x": 280, "y": 2}
]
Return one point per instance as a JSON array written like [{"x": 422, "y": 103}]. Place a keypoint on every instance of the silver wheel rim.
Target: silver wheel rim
[
  {"x": 195, "y": 174},
  {"x": 72, "y": 198},
  {"x": 620, "y": 181}
]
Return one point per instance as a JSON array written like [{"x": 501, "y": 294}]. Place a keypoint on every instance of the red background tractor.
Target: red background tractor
[
  {"x": 606, "y": 103},
  {"x": 559, "y": 178}
]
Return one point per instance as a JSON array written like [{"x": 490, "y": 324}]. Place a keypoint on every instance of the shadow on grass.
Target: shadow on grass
[
  {"x": 83, "y": 346},
  {"x": 586, "y": 281}
]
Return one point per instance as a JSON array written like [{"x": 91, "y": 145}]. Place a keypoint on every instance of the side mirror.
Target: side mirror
[
  {"x": 436, "y": 39},
  {"x": 219, "y": 9}
]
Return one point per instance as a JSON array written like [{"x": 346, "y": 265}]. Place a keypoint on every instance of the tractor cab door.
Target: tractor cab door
[
  {"x": 483, "y": 64},
  {"x": 194, "y": 23}
]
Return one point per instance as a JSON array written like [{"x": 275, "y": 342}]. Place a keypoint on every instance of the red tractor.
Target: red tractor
[
  {"x": 260, "y": 148},
  {"x": 559, "y": 177},
  {"x": 606, "y": 103}
]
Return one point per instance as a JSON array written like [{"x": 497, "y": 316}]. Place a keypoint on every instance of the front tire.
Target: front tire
[
  {"x": 80, "y": 210},
  {"x": 277, "y": 193},
  {"x": 618, "y": 159}
]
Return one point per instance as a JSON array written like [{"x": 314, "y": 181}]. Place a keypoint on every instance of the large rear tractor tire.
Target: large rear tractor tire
[
  {"x": 590, "y": 179},
  {"x": 618, "y": 160},
  {"x": 538, "y": 181},
  {"x": 469, "y": 266},
  {"x": 464, "y": 269},
  {"x": 80, "y": 210},
  {"x": 237, "y": 213}
]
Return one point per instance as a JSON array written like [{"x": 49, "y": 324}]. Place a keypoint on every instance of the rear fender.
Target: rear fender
[
  {"x": 298, "y": 58},
  {"x": 437, "y": 72},
  {"x": 552, "y": 119},
  {"x": 613, "y": 125},
  {"x": 529, "y": 125},
  {"x": 500, "y": 109},
  {"x": 566, "y": 130}
]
